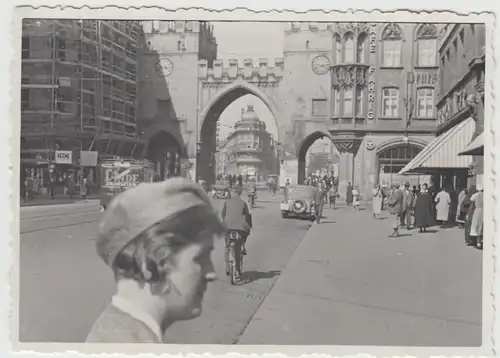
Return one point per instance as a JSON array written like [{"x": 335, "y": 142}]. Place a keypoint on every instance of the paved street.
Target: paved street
[
  {"x": 64, "y": 285},
  {"x": 345, "y": 278},
  {"x": 349, "y": 284}
]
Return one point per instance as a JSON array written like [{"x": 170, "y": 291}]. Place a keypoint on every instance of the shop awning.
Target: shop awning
[
  {"x": 475, "y": 147},
  {"x": 442, "y": 152}
]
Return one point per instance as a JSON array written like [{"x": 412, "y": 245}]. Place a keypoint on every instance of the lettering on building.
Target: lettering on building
[
  {"x": 373, "y": 38},
  {"x": 455, "y": 104},
  {"x": 371, "y": 92},
  {"x": 426, "y": 79}
]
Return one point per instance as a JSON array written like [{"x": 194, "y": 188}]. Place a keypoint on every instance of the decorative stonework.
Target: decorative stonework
[
  {"x": 370, "y": 145},
  {"x": 349, "y": 76},
  {"x": 392, "y": 32},
  {"x": 427, "y": 31},
  {"x": 347, "y": 142},
  {"x": 355, "y": 28}
]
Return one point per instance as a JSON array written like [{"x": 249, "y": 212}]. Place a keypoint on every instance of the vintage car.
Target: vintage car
[{"x": 299, "y": 202}]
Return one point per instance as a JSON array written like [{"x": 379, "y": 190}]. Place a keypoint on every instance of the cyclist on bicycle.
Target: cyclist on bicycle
[{"x": 237, "y": 217}]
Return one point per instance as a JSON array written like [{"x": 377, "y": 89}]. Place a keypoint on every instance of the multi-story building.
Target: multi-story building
[
  {"x": 383, "y": 79},
  {"x": 78, "y": 92},
  {"x": 249, "y": 150},
  {"x": 460, "y": 109}
]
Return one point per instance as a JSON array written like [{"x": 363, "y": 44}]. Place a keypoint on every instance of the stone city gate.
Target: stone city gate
[{"x": 218, "y": 87}]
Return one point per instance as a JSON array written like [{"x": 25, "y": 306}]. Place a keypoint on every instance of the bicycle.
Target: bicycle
[{"x": 235, "y": 258}]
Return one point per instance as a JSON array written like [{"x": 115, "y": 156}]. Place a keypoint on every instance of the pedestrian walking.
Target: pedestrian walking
[
  {"x": 395, "y": 204},
  {"x": 476, "y": 226},
  {"x": 84, "y": 189},
  {"x": 348, "y": 195},
  {"x": 355, "y": 198},
  {"x": 319, "y": 201},
  {"x": 423, "y": 209},
  {"x": 443, "y": 201},
  {"x": 407, "y": 207},
  {"x": 460, "y": 216},
  {"x": 332, "y": 196},
  {"x": 377, "y": 201},
  {"x": 157, "y": 239}
]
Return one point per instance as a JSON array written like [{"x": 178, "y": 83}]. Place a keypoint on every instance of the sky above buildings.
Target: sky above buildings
[{"x": 248, "y": 40}]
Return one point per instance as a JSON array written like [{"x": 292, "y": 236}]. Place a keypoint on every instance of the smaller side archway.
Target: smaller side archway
[
  {"x": 164, "y": 150},
  {"x": 302, "y": 152}
]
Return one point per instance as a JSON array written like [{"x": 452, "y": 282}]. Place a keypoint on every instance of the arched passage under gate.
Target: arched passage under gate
[
  {"x": 165, "y": 152},
  {"x": 206, "y": 166},
  {"x": 304, "y": 146}
]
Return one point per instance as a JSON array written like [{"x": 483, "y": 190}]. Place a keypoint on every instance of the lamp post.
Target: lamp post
[
  {"x": 197, "y": 166},
  {"x": 408, "y": 102}
]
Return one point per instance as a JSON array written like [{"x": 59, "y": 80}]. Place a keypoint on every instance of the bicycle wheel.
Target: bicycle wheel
[{"x": 232, "y": 264}]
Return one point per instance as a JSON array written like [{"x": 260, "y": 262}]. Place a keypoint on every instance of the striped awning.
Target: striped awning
[
  {"x": 442, "y": 152},
  {"x": 475, "y": 147}
]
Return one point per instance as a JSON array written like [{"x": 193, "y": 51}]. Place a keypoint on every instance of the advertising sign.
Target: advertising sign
[
  {"x": 88, "y": 159},
  {"x": 64, "y": 157}
]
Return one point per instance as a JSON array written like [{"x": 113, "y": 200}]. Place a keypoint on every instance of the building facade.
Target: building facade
[
  {"x": 78, "y": 93},
  {"x": 460, "y": 108},
  {"x": 249, "y": 150}
]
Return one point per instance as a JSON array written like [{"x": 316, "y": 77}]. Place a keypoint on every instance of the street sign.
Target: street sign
[{"x": 64, "y": 157}]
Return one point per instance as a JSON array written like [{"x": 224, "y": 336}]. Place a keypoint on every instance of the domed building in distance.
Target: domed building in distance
[{"x": 250, "y": 149}]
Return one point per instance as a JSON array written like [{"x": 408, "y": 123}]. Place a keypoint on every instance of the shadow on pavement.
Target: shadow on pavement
[
  {"x": 327, "y": 222},
  {"x": 251, "y": 276}
]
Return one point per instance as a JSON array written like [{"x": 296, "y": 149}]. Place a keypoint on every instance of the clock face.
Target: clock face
[
  {"x": 321, "y": 65},
  {"x": 166, "y": 66}
]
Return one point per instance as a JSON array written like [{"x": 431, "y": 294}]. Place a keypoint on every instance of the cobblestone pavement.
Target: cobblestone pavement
[
  {"x": 349, "y": 284},
  {"x": 64, "y": 285}
]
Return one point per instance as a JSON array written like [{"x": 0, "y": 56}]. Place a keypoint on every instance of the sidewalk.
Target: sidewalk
[
  {"x": 349, "y": 284},
  {"x": 47, "y": 200}
]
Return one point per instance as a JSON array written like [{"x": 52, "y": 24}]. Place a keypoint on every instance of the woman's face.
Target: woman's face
[{"x": 192, "y": 271}]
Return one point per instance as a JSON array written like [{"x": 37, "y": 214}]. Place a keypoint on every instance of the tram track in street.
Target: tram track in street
[
  {"x": 59, "y": 214},
  {"x": 58, "y": 226}
]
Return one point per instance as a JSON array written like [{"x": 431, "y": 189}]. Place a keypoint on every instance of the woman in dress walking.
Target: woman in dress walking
[
  {"x": 377, "y": 201},
  {"x": 423, "y": 209},
  {"x": 348, "y": 195},
  {"x": 443, "y": 201},
  {"x": 476, "y": 228}
]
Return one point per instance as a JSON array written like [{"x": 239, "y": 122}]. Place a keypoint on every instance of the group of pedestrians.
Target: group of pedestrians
[{"x": 419, "y": 208}]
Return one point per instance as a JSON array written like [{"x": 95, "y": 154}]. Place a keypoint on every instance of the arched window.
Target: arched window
[
  {"x": 391, "y": 45},
  {"x": 347, "y": 105},
  {"x": 361, "y": 48},
  {"x": 393, "y": 159},
  {"x": 349, "y": 48},
  {"x": 337, "y": 48},
  {"x": 336, "y": 102},
  {"x": 427, "y": 45}
]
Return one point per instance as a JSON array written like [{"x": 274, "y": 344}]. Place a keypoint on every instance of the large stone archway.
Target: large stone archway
[
  {"x": 213, "y": 106},
  {"x": 302, "y": 152}
]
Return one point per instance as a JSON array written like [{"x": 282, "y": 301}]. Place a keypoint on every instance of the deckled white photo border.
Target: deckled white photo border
[{"x": 131, "y": 10}]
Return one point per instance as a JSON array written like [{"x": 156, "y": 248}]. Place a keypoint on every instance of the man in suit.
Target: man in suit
[
  {"x": 319, "y": 200},
  {"x": 407, "y": 206},
  {"x": 395, "y": 204}
]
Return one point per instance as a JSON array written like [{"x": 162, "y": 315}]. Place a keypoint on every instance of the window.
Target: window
[
  {"x": 392, "y": 53},
  {"x": 391, "y": 45},
  {"x": 361, "y": 49},
  {"x": 25, "y": 98},
  {"x": 425, "y": 102},
  {"x": 390, "y": 97},
  {"x": 336, "y": 102},
  {"x": 25, "y": 48},
  {"x": 427, "y": 52},
  {"x": 338, "y": 49},
  {"x": 347, "y": 106},
  {"x": 359, "y": 102},
  {"x": 349, "y": 48},
  {"x": 319, "y": 107}
]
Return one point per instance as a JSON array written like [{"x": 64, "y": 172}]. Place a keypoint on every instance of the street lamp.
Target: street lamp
[
  {"x": 197, "y": 167},
  {"x": 408, "y": 102}
]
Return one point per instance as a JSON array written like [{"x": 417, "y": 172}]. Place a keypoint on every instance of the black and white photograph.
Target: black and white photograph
[{"x": 193, "y": 181}]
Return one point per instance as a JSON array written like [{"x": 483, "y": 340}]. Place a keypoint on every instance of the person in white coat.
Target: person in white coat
[{"x": 443, "y": 201}]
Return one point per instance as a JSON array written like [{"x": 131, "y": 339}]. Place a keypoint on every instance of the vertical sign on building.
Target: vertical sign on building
[{"x": 371, "y": 71}]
